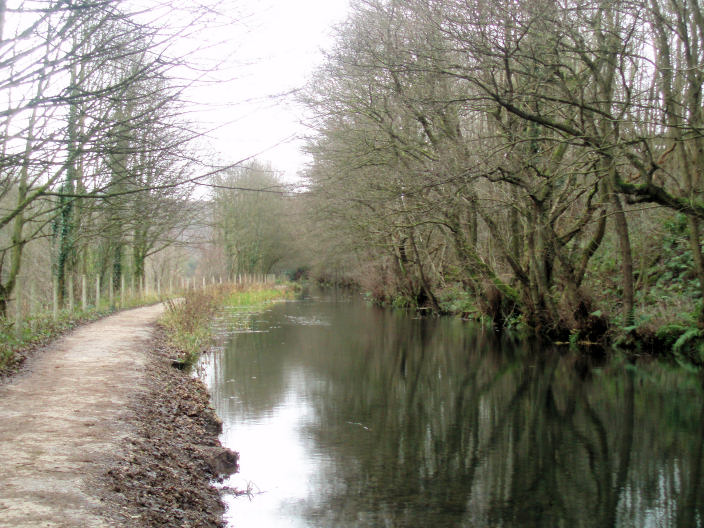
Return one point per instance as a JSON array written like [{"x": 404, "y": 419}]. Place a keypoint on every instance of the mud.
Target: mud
[{"x": 164, "y": 477}]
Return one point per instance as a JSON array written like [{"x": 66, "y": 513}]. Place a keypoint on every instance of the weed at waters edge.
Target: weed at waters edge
[{"x": 188, "y": 321}]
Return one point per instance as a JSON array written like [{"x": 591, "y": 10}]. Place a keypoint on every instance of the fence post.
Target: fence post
[
  {"x": 70, "y": 293},
  {"x": 33, "y": 300},
  {"x": 84, "y": 292},
  {"x": 97, "y": 290},
  {"x": 18, "y": 306},
  {"x": 55, "y": 297},
  {"x": 111, "y": 290}
]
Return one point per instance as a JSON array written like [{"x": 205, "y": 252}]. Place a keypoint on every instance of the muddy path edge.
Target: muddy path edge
[{"x": 111, "y": 435}]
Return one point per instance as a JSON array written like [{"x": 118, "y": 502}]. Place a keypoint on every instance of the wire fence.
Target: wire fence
[{"x": 34, "y": 299}]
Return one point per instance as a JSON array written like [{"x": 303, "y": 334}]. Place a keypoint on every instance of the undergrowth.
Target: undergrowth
[{"x": 188, "y": 320}]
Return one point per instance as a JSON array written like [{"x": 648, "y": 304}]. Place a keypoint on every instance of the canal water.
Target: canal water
[{"x": 346, "y": 415}]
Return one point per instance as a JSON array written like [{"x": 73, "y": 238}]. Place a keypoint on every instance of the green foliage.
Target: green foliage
[
  {"x": 685, "y": 338},
  {"x": 257, "y": 297},
  {"x": 674, "y": 272},
  {"x": 456, "y": 300},
  {"x": 574, "y": 338},
  {"x": 403, "y": 302},
  {"x": 684, "y": 342},
  {"x": 669, "y": 334}
]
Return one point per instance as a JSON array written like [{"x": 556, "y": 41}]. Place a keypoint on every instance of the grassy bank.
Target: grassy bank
[
  {"x": 187, "y": 321},
  {"x": 41, "y": 328}
]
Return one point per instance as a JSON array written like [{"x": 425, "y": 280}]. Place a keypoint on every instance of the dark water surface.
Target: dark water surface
[{"x": 350, "y": 416}]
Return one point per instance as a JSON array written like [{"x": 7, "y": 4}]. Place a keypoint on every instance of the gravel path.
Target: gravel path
[{"x": 63, "y": 421}]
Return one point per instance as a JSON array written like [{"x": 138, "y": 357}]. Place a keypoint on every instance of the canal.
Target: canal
[{"x": 346, "y": 415}]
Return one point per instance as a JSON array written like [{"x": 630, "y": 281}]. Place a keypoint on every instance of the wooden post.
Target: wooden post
[
  {"x": 33, "y": 300},
  {"x": 111, "y": 290},
  {"x": 84, "y": 292},
  {"x": 71, "y": 301},
  {"x": 122, "y": 291},
  {"x": 97, "y": 291},
  {"x": 18, "y": 306},
  {"x": 55, "y": 288}
]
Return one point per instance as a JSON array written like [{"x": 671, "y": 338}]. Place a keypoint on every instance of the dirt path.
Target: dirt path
[{"x": 61, "y": 423}]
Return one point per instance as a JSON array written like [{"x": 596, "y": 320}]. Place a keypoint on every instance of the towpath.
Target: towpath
[{"x": 61, "y": 422}]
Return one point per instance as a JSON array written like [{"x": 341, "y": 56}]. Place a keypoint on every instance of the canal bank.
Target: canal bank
[{"x": 164, "y": 475}]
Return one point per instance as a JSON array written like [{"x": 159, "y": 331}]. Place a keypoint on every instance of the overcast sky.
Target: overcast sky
[{"x": 269, "y": 47}]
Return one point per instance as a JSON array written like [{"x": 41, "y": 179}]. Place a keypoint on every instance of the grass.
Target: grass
[
  {"x": 255, "y": 298},
  {"x": 187, "y": 321}
]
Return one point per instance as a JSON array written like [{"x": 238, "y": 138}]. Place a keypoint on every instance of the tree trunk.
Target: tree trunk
[
  {"x": 695, "y": 245},
  {"x": 64, "y": 228},
  {"x": 621, "y": 224}
]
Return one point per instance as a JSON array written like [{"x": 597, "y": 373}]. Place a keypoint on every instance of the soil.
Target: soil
[{"x": 101, "y": 431}]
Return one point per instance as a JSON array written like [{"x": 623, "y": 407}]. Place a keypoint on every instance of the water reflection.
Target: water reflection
[{"x": 346, "y": 415}]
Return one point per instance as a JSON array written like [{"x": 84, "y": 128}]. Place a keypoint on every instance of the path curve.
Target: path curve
[{"x": 62, "y": 422}]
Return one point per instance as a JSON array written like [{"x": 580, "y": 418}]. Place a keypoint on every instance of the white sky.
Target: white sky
[{"x": 273, "y": 47}]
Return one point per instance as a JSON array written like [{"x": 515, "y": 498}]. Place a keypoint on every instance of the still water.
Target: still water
[{"x": 350, "y": 416}]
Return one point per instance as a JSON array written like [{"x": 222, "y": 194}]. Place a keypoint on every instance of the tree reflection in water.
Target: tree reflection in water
[{"x": 415, "y": 422}]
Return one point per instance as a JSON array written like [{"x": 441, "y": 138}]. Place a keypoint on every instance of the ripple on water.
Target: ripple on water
[{"x": 307, "y": 320}]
